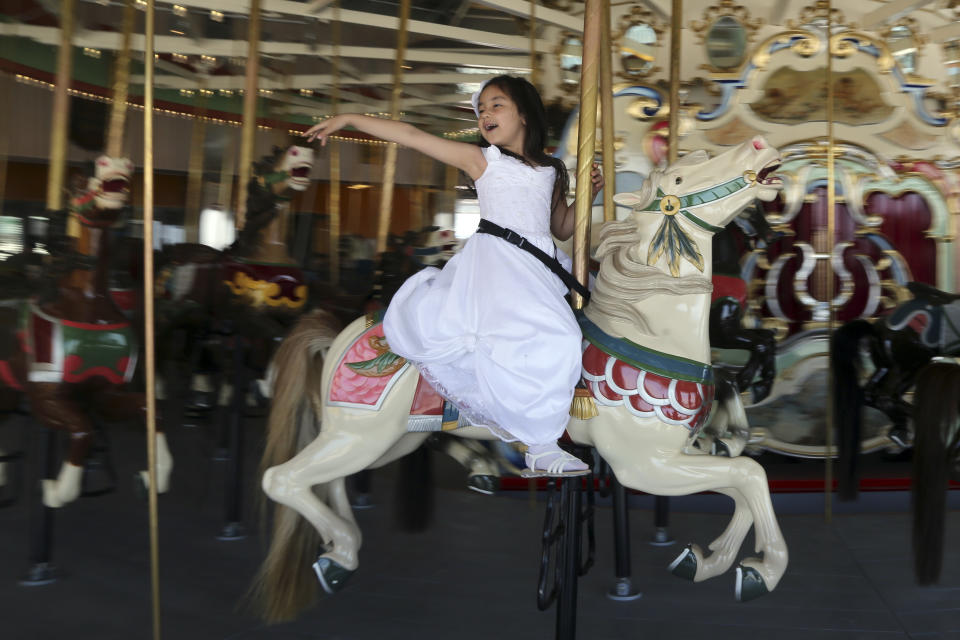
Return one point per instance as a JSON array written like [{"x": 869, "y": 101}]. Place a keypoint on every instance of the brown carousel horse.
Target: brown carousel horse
[
  {"x": 253, "y": 288},
  {"x": 75, "y": 350}
]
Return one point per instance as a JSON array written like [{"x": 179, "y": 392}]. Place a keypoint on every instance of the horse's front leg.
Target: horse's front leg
[
  {"x": 649, "y": 456},
  {"x": 117, "y": 405},
  {"x": 54, "y": 407},
  {"x": 693, "y": 565}
]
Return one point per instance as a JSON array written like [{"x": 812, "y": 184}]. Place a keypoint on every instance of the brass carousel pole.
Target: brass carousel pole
[
  {"x": 390, "y": 163},
  {"x": 195, "y": 169},
  {"x": 334, "y": 206},
  {"x": 61, "y": 111},
  {"x": 586, "y": 143},
  {"x": 606, "y": 114},
  {"x": 534, "y": 74},
  {"x": 121, "y": 85},
  {"x": 831, "y": 219},
  {"x": 674, "y": 141},
  {"x": 249, "y": 132},
  {"x": 150, "y": 355}
]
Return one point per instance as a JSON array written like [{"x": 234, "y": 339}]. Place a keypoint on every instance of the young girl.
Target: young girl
[{"x": 492, "y": 331}]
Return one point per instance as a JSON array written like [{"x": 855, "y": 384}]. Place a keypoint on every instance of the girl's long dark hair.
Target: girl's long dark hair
[{"x": 530, "y": 107}]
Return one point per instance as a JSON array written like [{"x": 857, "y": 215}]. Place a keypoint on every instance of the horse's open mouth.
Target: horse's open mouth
[
  {"x": 765, "y": 178},
  {"x": 302, "y": 171},
  {"x": 115, "y": 186}
]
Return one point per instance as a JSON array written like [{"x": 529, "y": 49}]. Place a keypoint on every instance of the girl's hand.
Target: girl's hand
[
  {"x": 597, "y": 179},
  {"x": 326, "y": 128}
]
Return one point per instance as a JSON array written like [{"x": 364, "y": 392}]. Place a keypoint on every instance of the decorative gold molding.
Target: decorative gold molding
[
  {"x": 569, "y": 91},
  {"x": 842, "y": 45},
  {"x": 807, "y": 45},
  {"x": 726, "y": 8},
  {"x": 637, "y": 15},
  {"x": 920, "y": 39},
  {"x": 820, "y": 12}
]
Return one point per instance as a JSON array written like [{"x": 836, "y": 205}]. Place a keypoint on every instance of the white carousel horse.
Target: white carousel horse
[{"x": 646, "y": 364}]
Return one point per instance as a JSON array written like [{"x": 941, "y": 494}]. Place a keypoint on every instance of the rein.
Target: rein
[
  {"x": 671, "y": 239},
  {"x": 671, "y": 204}
]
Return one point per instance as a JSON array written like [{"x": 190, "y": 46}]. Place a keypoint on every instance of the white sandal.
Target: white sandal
[{"x": 555, "y": 468}]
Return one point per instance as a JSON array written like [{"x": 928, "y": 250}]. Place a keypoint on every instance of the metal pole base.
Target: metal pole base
[
  {"x": 232, "y": 531},
  {"x": 624, "y": 591},
  {"x": 40, "y": 574},
  {"x": 661, "y": 538}
]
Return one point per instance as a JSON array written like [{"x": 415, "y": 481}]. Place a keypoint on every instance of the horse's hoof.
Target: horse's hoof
[
  {"x": 720, "y": 448},
  {"x": 750, "y": 584},
  {"x": 761, "y": 390},
  {"x": 487, "y": 485},
  {"x": 141, "y": 485},
  {"x": 331, "y": 574},
  {"x": 685, "y": 566}
]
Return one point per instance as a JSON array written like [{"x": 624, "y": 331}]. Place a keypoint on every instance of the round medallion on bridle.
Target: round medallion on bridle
[{"x": 670, "y": 205}]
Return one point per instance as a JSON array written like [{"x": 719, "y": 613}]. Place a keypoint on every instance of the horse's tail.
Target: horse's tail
[
  {"x": 937, "y": 432},
  {"x": 848, "y": 402},
  {"x": 285, "y": 583}
]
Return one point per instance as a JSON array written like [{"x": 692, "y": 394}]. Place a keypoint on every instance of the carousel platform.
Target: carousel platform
[{"x": 472, "y": 575}]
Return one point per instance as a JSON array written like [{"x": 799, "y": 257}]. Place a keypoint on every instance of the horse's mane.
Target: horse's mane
[{"x": 625, "y": 277}]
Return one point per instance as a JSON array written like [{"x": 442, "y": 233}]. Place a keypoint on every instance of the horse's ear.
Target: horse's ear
[
  {"x": 693, "y": 158},
  {"x": 628, "y": 199}
]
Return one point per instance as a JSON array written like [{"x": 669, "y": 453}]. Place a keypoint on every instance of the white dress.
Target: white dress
[{"x": 492, "y": 331}]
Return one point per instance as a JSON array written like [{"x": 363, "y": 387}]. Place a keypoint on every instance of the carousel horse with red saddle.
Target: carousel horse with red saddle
[
  {"x": 876, "y": 363},
  {"x": 71, "y": 350},
  {"x": 648, "y": 388}
]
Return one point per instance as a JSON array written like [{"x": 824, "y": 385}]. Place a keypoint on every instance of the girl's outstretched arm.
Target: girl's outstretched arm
[{"x": 461, "y": 155}]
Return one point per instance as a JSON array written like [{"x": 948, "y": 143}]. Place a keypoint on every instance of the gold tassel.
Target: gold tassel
[{"x": 583, "y": 406}]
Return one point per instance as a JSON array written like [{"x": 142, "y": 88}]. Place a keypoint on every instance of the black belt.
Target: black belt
[{"x": 551, "y": 263}]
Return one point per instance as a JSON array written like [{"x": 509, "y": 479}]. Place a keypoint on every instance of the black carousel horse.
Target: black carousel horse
[
  {"x": 897, "y": 346},
  {"x": 729, "y": 302},
  {"x": 936, "y": 460}
]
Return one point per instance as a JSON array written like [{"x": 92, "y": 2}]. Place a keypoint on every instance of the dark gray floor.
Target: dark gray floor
[{"x": 471, "y": 576}]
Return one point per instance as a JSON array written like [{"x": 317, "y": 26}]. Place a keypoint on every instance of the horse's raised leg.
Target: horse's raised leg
[
  {"x": 52, "y": 405},
  {"x": 655, "y": 462},
  {"x": 692, "y": 564}
]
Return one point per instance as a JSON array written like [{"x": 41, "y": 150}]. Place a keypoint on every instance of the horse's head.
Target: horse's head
[
  {"x": 106, "y": 194},
  {"x": 297, "y": 163},
  {"x": 710, "y": 190},
  {"x": 110, "y": 184},
  {"x": 436, "y": 246}
]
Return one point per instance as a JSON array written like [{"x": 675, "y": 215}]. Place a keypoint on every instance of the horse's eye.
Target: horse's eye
[{"x": 679, "y": 180}]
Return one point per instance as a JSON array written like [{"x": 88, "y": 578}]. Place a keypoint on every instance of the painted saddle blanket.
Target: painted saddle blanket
[
  {"x": 368, "y": 370},
  {"x": 61, "y": 350},
  {"x": 648, "y": 383}
]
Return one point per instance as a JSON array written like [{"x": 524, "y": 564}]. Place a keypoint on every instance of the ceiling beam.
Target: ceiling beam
[
  {"x": 946, "y": 32},
  {"x": 890, "y": 11},
  {"x": 367, "y": 19},
  {"x": 109, "y": 40},
  {"x": 307, "y": 81},
  {"x": 543, "y": 14}
]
